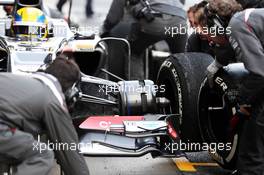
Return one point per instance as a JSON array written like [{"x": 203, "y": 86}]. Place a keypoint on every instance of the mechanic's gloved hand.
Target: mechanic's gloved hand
[
  {"x": 103, "y": 32},
  {"x": 243, "y": 111},
  {"x": 211, "y": 71}
]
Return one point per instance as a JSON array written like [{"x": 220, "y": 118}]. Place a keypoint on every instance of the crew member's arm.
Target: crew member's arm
[
  {"x": 115, "y": 14},
  {"x": 250, "y": 51},
  {"x": 61, "y": 131}
]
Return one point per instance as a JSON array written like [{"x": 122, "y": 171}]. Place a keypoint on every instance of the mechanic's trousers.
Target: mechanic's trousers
[
  {"x": 20, "y": 148},
  {"x": 251, "y": 147}
]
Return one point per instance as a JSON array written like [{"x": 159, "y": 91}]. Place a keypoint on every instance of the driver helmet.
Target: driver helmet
[{"x": 30, "y": 22}]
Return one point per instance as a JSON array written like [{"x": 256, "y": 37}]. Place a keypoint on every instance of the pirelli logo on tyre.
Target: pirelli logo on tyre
[
  {"x": 174, "y": 72},
  {"x": 221, "y": 83},
  {"x": 167, "y": 64}
]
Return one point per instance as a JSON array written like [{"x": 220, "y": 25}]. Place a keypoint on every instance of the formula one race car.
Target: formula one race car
[
  {"x": 165, "y": 111},
  {"x": 134, "y": 117},
  {"x": 142, "y": 117}
]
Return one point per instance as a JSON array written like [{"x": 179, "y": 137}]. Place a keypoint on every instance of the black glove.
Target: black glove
[{"x": 243, "y": 111}]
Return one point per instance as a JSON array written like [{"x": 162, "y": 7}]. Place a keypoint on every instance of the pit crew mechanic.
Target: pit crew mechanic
[
  {"x": 148, "y": 19},
  {"x": 247, "y": 39},
  {"x": 31, "y": 105},
  {"x": 198, "y": 43}
]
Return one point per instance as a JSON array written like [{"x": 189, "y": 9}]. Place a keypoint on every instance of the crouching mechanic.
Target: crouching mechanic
[
  {"x": 32, "y": 105},
  {"x": 246, "y": 36},
  {"x": 148, "y": 21}
]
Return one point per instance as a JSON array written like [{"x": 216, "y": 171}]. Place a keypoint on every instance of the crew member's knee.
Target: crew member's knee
[{"x": 43, "y": 151}]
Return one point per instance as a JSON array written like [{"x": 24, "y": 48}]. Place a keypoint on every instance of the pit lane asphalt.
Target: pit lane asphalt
[{"x": 195, "y": 164}]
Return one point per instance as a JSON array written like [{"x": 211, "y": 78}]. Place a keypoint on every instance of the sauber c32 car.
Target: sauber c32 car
[
  {"x": 29, "y": 39},
  {"x": 134, "y": 117}
]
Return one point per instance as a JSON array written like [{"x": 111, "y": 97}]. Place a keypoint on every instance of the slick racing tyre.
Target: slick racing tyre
[
  {"x": 218, "y": 123},
  {"x": 181, "y": 75}
]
